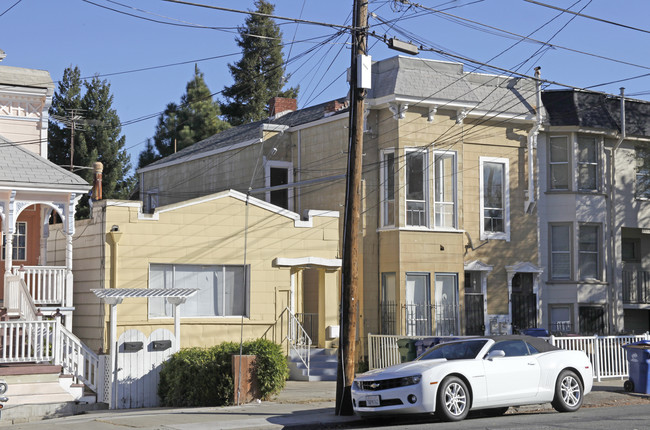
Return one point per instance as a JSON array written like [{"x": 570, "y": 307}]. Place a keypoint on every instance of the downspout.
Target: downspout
[
  {"x": 612, "y": 290},
  {"x": 532, "y": 143}
]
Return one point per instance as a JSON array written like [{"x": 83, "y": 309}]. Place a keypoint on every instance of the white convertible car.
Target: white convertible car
[{"x": 483, "y": 373}]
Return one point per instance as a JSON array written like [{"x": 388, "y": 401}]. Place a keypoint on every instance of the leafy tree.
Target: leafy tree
[
  {"x": 194, "y": 119},
  {"x": 97, "y": 135},
  {"x": 259, "y": 75}
]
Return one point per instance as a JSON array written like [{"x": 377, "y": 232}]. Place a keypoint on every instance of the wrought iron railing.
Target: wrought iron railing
[
  {"x": 636, "y": 287},
  {"x": 299, "y": 340}
]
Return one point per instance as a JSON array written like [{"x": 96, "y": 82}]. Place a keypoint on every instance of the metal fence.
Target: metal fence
[{"x": 605, "y": 352}]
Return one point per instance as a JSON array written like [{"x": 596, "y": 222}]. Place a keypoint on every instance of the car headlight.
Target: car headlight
[
  {"x": 3, "y": 387},
  {"x": 410, "y": 380}
]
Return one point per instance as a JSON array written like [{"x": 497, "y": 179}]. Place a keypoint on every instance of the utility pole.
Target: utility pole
[{"x": 349, "y": 287}]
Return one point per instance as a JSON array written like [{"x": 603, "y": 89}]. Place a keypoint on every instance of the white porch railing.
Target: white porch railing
[
  {"x": 49, "y": 341},
  {"x": 299, "y": 340},
  {"x": 46, "y": 284},
  {"x": 606, "y": 353},
  {"x": 18, "y": 301}
]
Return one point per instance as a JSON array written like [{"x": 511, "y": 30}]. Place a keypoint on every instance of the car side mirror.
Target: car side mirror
[{"x": 494, "y": 354}]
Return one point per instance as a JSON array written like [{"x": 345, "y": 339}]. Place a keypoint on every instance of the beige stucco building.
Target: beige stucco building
[
  {"x": 448, "y": 220},
  {"x": 250, "y": 260}
]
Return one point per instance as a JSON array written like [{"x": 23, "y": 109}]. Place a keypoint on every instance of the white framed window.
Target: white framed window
[
  {"x": 279, "y": 173},
  {"x": 642, "y": 182},
  {"x": 19, "y": 245},
  {"x": 417, "y": 193},
  {"x": 561, "y": 319},
  {"x": 559, "y": 163},
  {"x": 560, "y": 251},
  {"x": 223, "y": 289},
  {"x": 494, "y": 198},
  {"x": 387, "y": 178},
  {"x": 589, "y": 251},
  {"x": 445, "y": 189},
  {"x": 588, "y": 163}
]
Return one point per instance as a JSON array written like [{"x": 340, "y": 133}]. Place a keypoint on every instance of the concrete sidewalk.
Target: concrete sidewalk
[{"x": 300, "y": 405}]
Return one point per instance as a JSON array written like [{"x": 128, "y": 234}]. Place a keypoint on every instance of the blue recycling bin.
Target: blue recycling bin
[{"x": 638, "y": 360}]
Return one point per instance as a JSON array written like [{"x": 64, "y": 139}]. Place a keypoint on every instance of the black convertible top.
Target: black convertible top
[{"x": 539, "y": 343}]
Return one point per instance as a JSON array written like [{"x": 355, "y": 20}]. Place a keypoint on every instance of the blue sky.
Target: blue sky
[{"x": 52, "y": 35}]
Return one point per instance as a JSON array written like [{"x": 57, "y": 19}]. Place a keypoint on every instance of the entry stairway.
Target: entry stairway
[{"x": 323, "y": 363}]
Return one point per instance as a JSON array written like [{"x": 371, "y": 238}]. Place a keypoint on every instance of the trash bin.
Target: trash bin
[
  {"x": 406, "y": 349},
  {"x": 638, "y": 359}
]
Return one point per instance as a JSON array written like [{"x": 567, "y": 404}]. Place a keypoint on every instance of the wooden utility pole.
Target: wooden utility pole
[{"x": 351, "y": 233}]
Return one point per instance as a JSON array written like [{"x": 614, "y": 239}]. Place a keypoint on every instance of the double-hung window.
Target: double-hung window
[
  {"x": 589, "y": 251},
  {"x": 495, "y": 199},
  {"x": 560, "y": 251},
  {"x": 559, "y": 163},
  {"x": 445, "y": 189},
  {"x": 587, "y": 163},
  {"x": 642, "y": 153},
  {"x": 223, "y": 290},
  {"x": 388, "y": 189},
  {"x": 19, "y": 244},
  {"x": 417, "y": 213}
]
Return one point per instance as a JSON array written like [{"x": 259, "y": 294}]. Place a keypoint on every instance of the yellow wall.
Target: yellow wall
[{"x": 208, "y": 231}]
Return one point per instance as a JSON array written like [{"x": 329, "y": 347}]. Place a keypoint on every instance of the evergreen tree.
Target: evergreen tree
[
  {"x": 259, "y": 75},
  {"x": 194, "y": 119},
  {"x": 149, "y": 155},
  {"x": 97, "y": 135}
]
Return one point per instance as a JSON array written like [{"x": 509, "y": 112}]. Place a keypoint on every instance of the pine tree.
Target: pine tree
[
  {"x": 259, "y": 75},
  {"x": 148, "y": 155},
  {"x": 97, "y": 135},
  {"x": 194, "y": 119}
]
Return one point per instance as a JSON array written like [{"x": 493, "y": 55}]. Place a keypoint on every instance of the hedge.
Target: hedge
[{"x": 203, "y": 376}]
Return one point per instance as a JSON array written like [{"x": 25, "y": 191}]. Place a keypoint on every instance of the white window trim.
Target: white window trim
[
  {"x": 383, "y": 183},
  {"x": 599, "y": 144},
  {"x": 598, "y": 252},
  {"x": 268, "y": 164},
  {"x": 485, "y": 235},
  {"x": 14, "y": 248},
  {"x": 570, "y": 252},
  {"x": 247, "y": 302},
  {"x": 454, "y": 179},
  {"x": 570, "y": 154},
  {"x": 426, "y": 191}
]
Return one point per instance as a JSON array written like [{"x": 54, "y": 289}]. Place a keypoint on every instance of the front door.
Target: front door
[
  {"x": 524, "y": 302},
  {"x": 474, "y": 305},
  {"x": 418, "y": 305}
]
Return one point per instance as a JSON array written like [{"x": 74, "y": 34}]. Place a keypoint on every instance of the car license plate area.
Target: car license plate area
[{"x": 373, "y": 401}]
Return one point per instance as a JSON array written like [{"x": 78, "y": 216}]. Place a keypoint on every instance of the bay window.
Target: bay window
[
  {"x": 417, "y": 213},
  {"x": 494, "y": 189},
  {"x": 560, "y": 251},
  {"x": 559, "y": 163},
  {"x": 388, "y": 189},
  {"x": 445, "y": 189}
]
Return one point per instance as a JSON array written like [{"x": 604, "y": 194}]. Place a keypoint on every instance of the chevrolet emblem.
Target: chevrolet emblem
[{"x": 374, "y": 385}]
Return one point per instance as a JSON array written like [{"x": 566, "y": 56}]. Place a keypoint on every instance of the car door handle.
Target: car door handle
[{"x": 531, "y": 364}]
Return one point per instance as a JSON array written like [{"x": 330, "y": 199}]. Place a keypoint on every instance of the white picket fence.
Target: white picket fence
[{"x": 606, "y": 353}]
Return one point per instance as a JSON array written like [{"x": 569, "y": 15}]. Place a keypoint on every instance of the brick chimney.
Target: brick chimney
[
  {"x": 334, "y": 106},
  {"x": 278, "y": 105}
]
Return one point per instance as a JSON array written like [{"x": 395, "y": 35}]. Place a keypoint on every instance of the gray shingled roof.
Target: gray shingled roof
[
  {"x": 596, "y": 110},
  {"x": 21, "y": 168},
  {"x": 432, "y": 81},
  {"x": 424, "y": 80}
]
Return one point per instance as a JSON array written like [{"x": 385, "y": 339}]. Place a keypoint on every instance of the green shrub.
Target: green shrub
[{"x": 203, "y": 376}]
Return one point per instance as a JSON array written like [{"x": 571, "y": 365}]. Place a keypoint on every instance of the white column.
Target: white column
[
  {"x": 177, "y": 301},
  {"x": 113, "y": 301}
]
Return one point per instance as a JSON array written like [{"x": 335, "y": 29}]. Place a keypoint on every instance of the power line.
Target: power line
[{"x": 589, "y": 16}]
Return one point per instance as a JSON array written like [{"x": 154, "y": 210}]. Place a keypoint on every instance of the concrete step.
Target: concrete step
[
  {"x": 323, "y": 364},
  {"x": 16, "y": 414}
]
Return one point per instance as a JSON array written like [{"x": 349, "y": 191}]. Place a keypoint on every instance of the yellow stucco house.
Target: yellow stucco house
[
  {"x": 449, "y": 224},
  {"x": 250, "y": 261}
]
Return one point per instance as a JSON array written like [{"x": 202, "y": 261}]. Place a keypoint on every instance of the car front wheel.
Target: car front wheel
[
  {"x": 453, "y": 400},
  {"x": 568, "y": 392}
]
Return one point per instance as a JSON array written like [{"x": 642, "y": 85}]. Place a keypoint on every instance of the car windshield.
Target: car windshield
[{"x": 455, "y": 350}]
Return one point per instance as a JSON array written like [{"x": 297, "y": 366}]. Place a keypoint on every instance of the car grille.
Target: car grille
[
  {"x": 380, "y": 385},
  {"x": 387, "y": 402}
]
